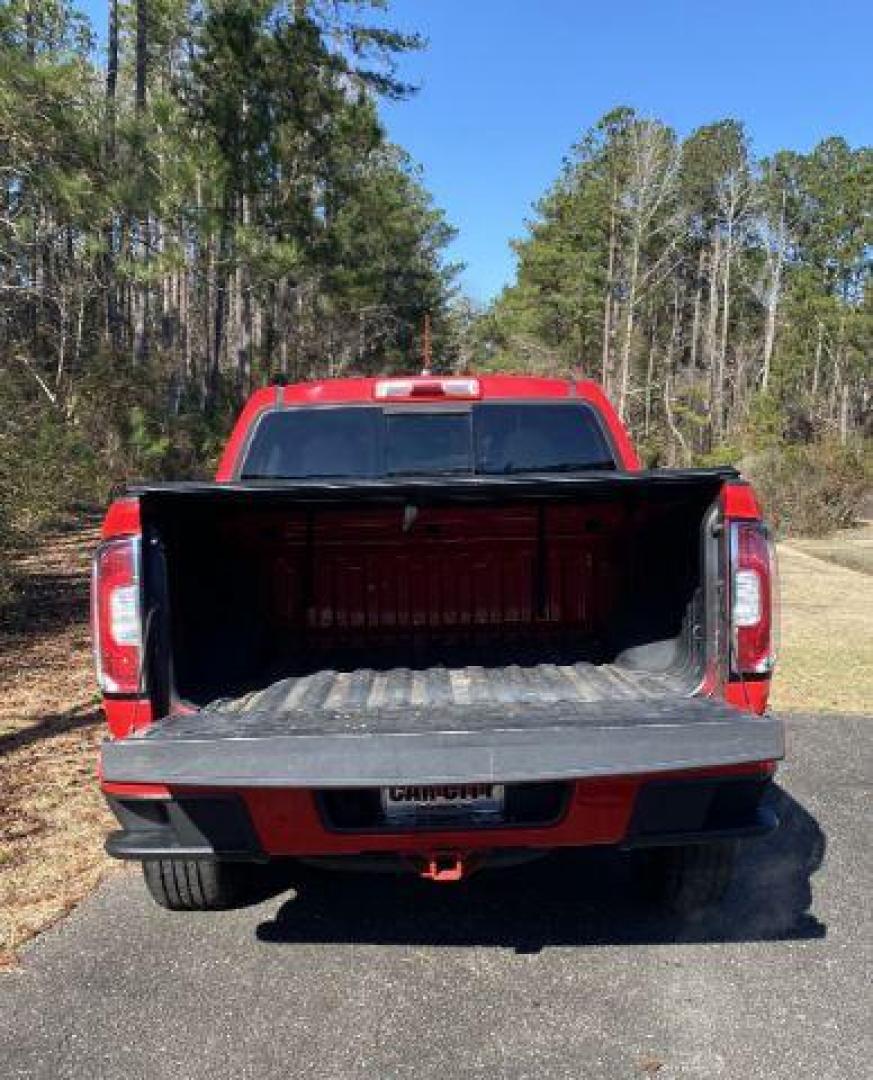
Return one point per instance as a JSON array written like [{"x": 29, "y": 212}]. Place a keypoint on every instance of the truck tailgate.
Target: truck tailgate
[{"x": 441, "y": 743}]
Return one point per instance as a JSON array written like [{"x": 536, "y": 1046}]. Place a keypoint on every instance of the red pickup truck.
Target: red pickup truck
[{"x": 434, "y": 623}]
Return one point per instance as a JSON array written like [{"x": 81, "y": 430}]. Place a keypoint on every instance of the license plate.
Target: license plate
[{"x": 416, "y": 802}]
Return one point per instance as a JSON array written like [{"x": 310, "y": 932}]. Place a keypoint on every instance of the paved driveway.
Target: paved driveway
[{"x": 551, "y": 970}]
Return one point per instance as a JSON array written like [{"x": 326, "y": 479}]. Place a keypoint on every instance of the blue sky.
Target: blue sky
[{"x": 507, "y": 86}]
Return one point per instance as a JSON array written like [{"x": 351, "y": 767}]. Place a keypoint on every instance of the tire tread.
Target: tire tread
[{"x": 193, "y": 885}]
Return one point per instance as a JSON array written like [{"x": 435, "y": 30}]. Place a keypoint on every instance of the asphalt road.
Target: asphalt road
[{"x": 551, "y": 970}]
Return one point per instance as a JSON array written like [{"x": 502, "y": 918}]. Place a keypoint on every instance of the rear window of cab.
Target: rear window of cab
[{"x": 482, "y": 438}]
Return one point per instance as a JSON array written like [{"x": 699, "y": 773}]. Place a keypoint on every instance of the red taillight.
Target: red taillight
[
  {"x": 115, "y": 616},
  {"x": 753, "y": 583}
]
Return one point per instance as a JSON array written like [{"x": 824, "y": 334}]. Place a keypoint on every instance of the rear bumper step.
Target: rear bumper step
[
  {"x": 195, "y": 827},
  {"x": 451, "y": 744},
  {"x": 218, "y": 826}
]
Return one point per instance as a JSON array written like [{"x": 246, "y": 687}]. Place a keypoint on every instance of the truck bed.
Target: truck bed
[
  {"x": 253, "y": 583},
  {"x": 367, "y": 692},
  {"x": 511, "y": 724},
  {"x": 434, "y": 630}
]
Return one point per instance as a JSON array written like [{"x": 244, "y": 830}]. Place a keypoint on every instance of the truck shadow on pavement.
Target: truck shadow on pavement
[{"x": 572, "y": 898}]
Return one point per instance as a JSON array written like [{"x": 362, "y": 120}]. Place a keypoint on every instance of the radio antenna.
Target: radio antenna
[{"x": 425, "y": 346}]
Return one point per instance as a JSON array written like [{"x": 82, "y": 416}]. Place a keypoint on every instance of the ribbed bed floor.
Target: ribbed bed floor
[{"x": 366, "y": 690}]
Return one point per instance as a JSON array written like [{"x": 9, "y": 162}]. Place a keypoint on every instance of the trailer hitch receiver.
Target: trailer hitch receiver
[{"x": 447, "y": 866}]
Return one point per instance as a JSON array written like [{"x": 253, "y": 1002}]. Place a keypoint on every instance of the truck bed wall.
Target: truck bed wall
[{"x": 249, "y": 591}]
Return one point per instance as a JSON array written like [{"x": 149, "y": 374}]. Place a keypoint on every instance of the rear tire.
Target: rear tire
[
  {"x": 199, "y": 885},
  {"x": 686, "y": 879}
]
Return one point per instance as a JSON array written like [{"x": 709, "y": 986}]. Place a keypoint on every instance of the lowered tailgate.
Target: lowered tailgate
[{"x": 447, "y": 743}]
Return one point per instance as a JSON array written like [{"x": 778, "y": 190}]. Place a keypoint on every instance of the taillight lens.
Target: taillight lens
[
  {"x": 753, "y": 585},
  {"x": 115, "y": 616}
]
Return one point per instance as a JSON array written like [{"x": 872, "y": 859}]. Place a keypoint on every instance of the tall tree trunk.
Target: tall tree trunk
[
  {"x": 695, "y": 319},
  {"x": 110, "y": 283},
  {"x": 738, "y": 397},
  {"x": 222, "y": 302},
  {"x": 624, "y": 386},
  {"x": 62, "y": 339},
  {"x": 142, "y": 52},
  {"x": 77, "y": 340},
  {"x": 712, "y": 325},
  {"x": 112, "y": 76},
  {"x": 650, "y": 376},
  {"x": 206, "y": 360},
  {"x": 605, "y": 366},
  {"x": 769, "y": 341},
  {"x": 668, "y": 381},
  {"x": 844, "y": 414},
  {"x": 773, "y": 298},
  {"x": 719, "y": 410},
  {"x": 245, "y": 297},
  {"x": 839, "y": 379},
  {"x": 199, "y": 272},
  {"x": 184, "y": 308},
  {"x": 141, "y": 325},
  {"x": 816, "y": 370},
  {"x": 30, "y": 30}
]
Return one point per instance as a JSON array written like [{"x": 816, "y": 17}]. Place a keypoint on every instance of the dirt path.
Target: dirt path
[{"x": 52, "y": 817}]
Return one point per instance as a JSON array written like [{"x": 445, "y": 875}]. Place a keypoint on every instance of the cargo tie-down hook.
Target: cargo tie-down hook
[{"x": 410, "y": 513}]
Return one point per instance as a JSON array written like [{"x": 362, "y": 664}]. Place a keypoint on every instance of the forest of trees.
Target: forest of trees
[
  {"x": 208, "y": 198},
  {"x": 723, "y": 300},
  {"x": 203, "y": 201}
]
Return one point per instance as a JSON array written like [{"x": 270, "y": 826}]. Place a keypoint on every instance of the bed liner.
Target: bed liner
[{"x": 372, "y": 689}]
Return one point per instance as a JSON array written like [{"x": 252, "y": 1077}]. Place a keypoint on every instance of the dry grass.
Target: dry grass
[
  {"x": 826, "y": 654},
  {"x": 852, "y": 548},
  {"x": 52, "y": 816}
]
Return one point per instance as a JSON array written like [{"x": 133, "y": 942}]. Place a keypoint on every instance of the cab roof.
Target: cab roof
[{"x": 431, "y": 389}]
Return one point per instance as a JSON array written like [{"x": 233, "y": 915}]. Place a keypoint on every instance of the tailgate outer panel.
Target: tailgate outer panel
[{"x": 453, "y": 744}]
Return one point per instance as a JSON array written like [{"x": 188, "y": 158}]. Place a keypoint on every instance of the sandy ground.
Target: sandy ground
[{"x": 52, "y": 817}]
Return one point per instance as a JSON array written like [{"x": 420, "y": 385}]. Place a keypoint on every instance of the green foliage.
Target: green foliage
[
  {"x": 46, "y": 465},
  {"x": 724, "y": 302},
  {"x": 765, "y": 426},
  {"x": 147, "y": 445},
  {"x": 811, "y": 490},
  {"x": 222, "y": 202},
  {"x": 721, "y": 454}
]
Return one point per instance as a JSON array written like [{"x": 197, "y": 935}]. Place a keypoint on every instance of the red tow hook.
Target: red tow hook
[{"x": 446, "y": 866}]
